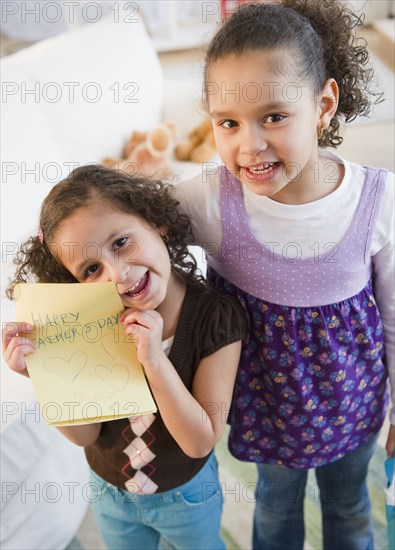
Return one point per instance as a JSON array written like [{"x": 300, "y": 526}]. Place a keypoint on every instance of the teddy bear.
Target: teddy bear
[
  {"x": 147, "y": 153},
  {"x": 199, "y": 145}
]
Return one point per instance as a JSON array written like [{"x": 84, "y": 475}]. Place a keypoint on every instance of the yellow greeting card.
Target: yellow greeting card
[{"x": 85, "y": 368}]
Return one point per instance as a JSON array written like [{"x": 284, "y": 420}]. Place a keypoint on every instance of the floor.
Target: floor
[{"x": 368, "y": 142}]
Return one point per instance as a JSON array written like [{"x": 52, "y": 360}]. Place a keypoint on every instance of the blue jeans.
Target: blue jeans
[
  {"x": 187, "y": 517},
  {"x": 278, "y": 518}
]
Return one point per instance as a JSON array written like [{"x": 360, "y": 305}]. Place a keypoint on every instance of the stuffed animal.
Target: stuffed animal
[
  {"x": 147, "y": 153},
  {"x": 200, "y": 145}
]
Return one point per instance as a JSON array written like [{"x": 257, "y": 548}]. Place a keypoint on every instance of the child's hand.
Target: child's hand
[
  {"x": 15, "y": 347},
  {"x": 147, "y": 328},
  {"x": 390, "y": 445}
]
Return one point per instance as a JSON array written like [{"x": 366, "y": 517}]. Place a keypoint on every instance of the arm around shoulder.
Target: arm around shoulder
[{"x": 198, "y": 198}]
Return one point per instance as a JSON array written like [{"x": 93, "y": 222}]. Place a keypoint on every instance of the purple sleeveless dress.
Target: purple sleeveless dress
[{"x": 311, "y": 385}]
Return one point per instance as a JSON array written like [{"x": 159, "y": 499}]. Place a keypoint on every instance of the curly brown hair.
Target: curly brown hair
[
  {"x": 321, "y": 35},
  {"x": 152, "y": 200}
]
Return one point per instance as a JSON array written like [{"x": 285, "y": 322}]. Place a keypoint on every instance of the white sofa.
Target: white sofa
[{"x": 67, "y": 100}]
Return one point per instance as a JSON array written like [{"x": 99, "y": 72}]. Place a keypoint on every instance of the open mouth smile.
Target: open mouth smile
[
  {"x": 139, "y": 287},
  {"x": 263, "y": 171},
  {"x": 260, "y": 168}
]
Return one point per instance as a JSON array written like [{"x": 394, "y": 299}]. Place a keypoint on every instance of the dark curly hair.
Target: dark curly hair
[
  {"x": 320, "y": 33},
  {"x": 150, "y": 199}
]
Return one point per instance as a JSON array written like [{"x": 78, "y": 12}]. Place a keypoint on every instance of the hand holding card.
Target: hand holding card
[{"x": 85, "y": 367}]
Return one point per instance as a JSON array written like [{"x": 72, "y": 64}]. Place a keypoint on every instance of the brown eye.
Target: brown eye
[
  {"x": 228, "y": 124},
  {"x": 119, "y": 243},
  {"x": 274, "y": 118},
  {"x": 91, "y": 269}
]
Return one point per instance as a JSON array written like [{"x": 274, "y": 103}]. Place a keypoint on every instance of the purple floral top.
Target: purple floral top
[{"x": 311, "y": 385}]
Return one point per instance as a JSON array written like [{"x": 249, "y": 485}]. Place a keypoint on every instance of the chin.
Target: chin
[{"x": 124, "y": 302}]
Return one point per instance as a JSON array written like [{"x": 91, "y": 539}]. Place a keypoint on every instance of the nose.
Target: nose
[
  {"x": 253, "y": 140},
  {"x": 118, "y": 271}
]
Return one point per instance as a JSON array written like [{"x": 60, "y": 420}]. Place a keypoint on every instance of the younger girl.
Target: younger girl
[
  {"x": 304, "y": 239},
  {"x": 157, "y": 472}
]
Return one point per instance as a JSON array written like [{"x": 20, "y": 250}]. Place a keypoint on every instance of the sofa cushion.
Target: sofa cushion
[
  {"x": 44, "y": 480},
  {"x": 70, "y": 100}
]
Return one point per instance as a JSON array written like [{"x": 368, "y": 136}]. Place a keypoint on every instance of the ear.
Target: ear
[
  {"x": 328, "y": 102},
  {"x": 162, "y": 230}
]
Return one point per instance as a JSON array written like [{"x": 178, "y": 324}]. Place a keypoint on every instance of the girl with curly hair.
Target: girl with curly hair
[
  {"x": 156, "y": 473},
  {"x": 305, "y": 240}
]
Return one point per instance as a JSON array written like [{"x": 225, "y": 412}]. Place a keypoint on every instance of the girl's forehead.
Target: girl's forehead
[
  {"x": 254, "y": 65},
  {"x": 101, "y": 208},
  {"x": 95, "y": 215},
  {"x": 258, "y": 77}
]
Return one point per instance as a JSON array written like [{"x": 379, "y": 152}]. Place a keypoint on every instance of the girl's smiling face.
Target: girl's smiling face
[
  {"x": 98, "y": 244},
  {"x": 265, "y": 123}
]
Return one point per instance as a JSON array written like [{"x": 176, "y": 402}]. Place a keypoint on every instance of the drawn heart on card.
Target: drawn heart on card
[
  {"x": 66, "y": 368},
  {"x": 110, "y": 344},
  {"x": 116, "y": 376}
]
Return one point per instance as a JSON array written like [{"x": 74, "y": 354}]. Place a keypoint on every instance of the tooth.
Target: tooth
[
  {"x": 135, "y": 286},
  {"x": 262, "y": 167}
]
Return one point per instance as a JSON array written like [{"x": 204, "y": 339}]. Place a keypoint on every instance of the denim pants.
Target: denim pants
[
  {"x": 278, "y": 518},
  {"x": 187, "y": 517}
]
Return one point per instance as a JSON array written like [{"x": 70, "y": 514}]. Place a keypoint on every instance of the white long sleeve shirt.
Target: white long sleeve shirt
[{"x": 311, "y": 226}]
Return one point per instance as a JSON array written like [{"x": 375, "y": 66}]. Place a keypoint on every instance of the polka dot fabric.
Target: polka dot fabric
[{"x": 284, "y": 277}]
